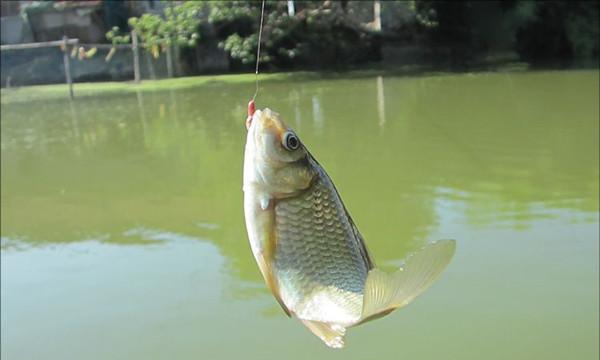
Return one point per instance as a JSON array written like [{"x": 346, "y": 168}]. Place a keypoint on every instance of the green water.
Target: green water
[{"x": 123, "y": 234}]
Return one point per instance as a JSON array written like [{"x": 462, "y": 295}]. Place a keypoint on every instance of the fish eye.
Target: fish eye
[{"x": 290, "y": 141}]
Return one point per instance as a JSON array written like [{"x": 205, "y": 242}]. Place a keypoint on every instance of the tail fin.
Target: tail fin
[{"x": 386, "y": 292}]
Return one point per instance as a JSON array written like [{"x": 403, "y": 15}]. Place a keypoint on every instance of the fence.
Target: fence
[{"x": 48, "y": 69}]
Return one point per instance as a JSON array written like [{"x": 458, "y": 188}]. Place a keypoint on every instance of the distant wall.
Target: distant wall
[
  {"x": 83, "y": 23},
  {"x": 45, "y": 65},
  {"x": 14, "y": 30}
]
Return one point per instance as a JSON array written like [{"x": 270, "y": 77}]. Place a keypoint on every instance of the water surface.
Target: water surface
[{"x": 123, "y": 234}]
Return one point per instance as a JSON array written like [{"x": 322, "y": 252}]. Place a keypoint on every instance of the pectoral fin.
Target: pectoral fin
[
  {"x": 265, "y": 201},
  {"x": 331, "y": 334},
  {"x": 387, "y": 292}
]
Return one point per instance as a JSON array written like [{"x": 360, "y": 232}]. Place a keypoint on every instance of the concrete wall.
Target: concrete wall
[
  {"x": 14, "y": 30},
  {"x": 45, "y": 65},
  {"x": 84, "y": 24}
]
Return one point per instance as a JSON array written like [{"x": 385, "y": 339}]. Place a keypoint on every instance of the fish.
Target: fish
[{"x": 307, "y": 247}]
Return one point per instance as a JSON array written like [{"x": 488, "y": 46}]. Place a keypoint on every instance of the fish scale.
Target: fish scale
[
  {"x": 306, "y": 245},
  {"x": 317, "y": 249}
]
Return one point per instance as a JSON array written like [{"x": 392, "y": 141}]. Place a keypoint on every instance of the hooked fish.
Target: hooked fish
[{"x": 308, "y": 249}]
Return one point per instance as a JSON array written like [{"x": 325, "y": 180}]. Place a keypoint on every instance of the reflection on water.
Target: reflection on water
[
  {"x": 505, "y": 163},
  {"x": 380, "y": 101}
]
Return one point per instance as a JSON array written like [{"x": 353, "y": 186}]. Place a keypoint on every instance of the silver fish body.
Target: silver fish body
[
  {"x": 321, "y": 261},
  {"x": 307, "y": 247}
]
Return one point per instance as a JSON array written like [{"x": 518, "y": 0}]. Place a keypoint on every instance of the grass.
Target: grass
[{"x": 61, "y": 91}]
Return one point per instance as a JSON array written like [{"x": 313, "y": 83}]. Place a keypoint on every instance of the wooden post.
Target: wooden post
[
  {"x": 67, "y": 64},
  {"x": 169, "y": 61},
  {"x": 136, "y": 56},
  {"x": 377, "y": 15}
]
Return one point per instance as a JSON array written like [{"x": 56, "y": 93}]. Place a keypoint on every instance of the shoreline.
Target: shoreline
[{"x": 87, "y": 89}]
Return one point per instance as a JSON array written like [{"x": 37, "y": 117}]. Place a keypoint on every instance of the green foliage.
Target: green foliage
[
  {"x": 182, "y": 23},
  {"x": 583, "y": 33},
  {"x": 236, "y": 24},
  {"x": 326, "y": 33},
  {"x": 241, "y": 48},
  {"x": 560, "y": 29},
  {"x": 178, "y": 27},
  {"x": 233, "y": 11},
  {"x": 115, "y": 36},
  {"x": 425, "y": 13},
  {"x": 536, "y": 30},
  {"x": 318, "y": 35}
]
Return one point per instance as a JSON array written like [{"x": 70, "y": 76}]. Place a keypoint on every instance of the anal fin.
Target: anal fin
[
  {"x": 331, "y": 334},
  {"x": 385, "y": 292}
]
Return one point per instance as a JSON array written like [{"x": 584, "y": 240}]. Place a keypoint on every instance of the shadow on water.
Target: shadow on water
[{"x": 505, "y": 149}]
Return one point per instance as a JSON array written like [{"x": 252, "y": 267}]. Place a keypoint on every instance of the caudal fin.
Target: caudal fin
[{"x": 386, "y": 292}]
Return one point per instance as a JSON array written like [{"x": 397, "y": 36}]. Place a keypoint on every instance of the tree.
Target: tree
[
  {"x": 178, "y": 27},
  {"x": 319, "y": 34},
  {"x": 536, "y": 30}
]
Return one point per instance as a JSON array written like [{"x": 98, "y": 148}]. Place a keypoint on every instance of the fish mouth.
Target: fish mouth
[
  {"x": 267, "y": 122},
  {"x": 250, "y": 119}
]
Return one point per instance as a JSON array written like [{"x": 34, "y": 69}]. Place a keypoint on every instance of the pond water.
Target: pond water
[{"x": 123, "y": 231}]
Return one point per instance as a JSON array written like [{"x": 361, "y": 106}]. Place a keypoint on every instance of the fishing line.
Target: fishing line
[{"x": 262, "y": 14}]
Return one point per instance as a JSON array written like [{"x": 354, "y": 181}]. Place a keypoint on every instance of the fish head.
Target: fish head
[{"x": 275, "y": 159}]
